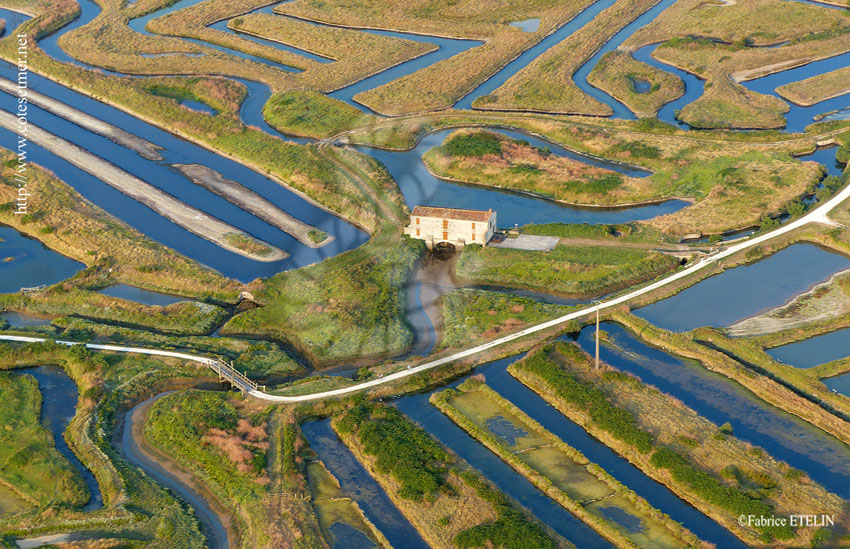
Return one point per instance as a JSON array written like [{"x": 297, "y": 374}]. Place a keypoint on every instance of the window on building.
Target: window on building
[
  {"x": 473, "y": 236},
  {"x": 473, "y": 226},
  {"x": 445, "y": 224},
  {"x": 445, "y": 235},
  {"x": 417, "y": 221},
  {"x": 417, "y": 232}
]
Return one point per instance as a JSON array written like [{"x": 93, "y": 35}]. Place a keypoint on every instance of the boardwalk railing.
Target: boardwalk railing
[{"x": 237, "y": 379}]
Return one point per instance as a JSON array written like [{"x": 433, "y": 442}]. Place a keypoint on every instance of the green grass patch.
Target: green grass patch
[{"x": 29, "y": 461}]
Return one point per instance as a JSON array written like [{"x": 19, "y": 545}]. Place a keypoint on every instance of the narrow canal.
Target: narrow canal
[{"x": 822, "y": 457}]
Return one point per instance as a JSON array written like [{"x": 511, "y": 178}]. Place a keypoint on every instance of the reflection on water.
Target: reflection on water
[
  {"x": 741, "y": 292},
  {"x": 784, "y": 436}
]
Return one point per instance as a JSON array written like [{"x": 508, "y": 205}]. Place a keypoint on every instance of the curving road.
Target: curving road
[{"x": 818, "y": 215}]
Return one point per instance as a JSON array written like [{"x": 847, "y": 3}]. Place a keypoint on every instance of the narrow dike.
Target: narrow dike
[
  {"x": 215, "y": 521},
  {"x": 253, "y": 203},
  {"x": 497, "y": 378},
  {"x": 159, "y": 201},
  {"x": 625, "y": 518},
  {"x": 356, "y": 482}
]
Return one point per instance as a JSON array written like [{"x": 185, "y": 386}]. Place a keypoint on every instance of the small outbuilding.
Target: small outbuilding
[{"x": 440, "y": 227}]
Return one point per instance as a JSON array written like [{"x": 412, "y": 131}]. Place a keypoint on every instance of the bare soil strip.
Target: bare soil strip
[
  {"x": 145, "y": 148},
  {"x": 251, "y": 202},
  {"x": 186, "y": 216}
]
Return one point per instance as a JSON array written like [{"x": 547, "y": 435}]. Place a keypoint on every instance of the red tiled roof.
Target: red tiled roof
[{"x": 452, "y": 213}]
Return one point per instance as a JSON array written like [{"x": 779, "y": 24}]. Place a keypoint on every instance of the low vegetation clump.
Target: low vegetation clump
[
  {"x": 206, "y": 431},
  {"x": 471, "y": 315},
  {"x": 312, "y": 114},
  {"x": 581, "y": 270},
  {"x": 350, "y": 306},
  {"x": 511, "y": 529},
  {"x": 400, "y": 448}
]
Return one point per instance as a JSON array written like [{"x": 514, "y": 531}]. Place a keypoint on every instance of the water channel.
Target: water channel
[
  {"x": 814, "y": 351},
  {"x": 357, "y": 484},
  {"x": 713, "y": 396},
  {"x": 417, "y": 408},
  {"x": 58, "y": 407},
  {"x": 741, "y": 292}
]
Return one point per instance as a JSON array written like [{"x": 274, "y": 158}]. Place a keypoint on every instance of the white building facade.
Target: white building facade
[{"x": 451, "y": 226}]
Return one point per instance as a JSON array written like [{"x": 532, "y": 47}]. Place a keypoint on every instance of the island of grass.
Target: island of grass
[
  {"x": 642, "y": 88},
  {"x": 727, "y": 185},
  {"x": 312, "y": 114},
  {"x": 559, "y": 470},
  {"x": 33, "y": 471},
  {"x": 721, "y": 475},
  {"x": 449, "y": 504},
  {"x": 489, "y": 158}
]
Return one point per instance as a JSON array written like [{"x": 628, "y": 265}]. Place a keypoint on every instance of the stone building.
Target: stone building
[{"x": 439, "y": 226}]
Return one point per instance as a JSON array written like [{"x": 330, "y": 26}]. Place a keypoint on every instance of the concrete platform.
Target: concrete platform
[{"x": 528, "y": 242}]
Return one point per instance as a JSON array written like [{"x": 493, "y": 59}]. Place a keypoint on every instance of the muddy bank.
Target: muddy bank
[
  {"x": 251, "y": 202},
  {"x": 214, "y": 520},
  {"x": 186, "y": 216},
  {"x": 146, "y": 149}
]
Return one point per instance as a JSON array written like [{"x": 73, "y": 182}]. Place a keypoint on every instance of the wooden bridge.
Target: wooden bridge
[{"x": 238, "y": 380}]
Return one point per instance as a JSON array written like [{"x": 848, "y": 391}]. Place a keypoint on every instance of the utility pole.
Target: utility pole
[{"x": 597, "y": 333}]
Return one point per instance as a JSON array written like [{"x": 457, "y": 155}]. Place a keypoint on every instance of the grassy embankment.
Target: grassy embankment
[
  {"x": 817, "y": 88},
  {"x": 449, "y": 504},
  {"x": 729, "y": 190},
  {"x": 33, "y": 470},
  {"x": 108, "y": 385},
  {"x": 546, "y": 84},
  {"x": 474, "y": 316},
  {"x": 442, "y": 84},
  {"x": 333, "y": 506},
  {"x": 716, "y": 472},
  {"x": 557, "y": 469},
  {"x": 356, "y": 54},
  {"x": 108, "y": 42},
  {"x": 68, "y": 223},
  {"x": 805, "y": 383},
  {"x": 767, "y": 385},
  {"x": 739, "y": 29},
  {"x": 619, "y": 74},
  {"x": 347, "y": 307}
]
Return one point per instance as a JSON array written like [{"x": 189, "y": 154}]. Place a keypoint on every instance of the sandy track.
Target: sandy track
[
  {"x": 251, "y": 202},
  {"x": 146, "y": 149},
  {"x": 186, "y": 216}
]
